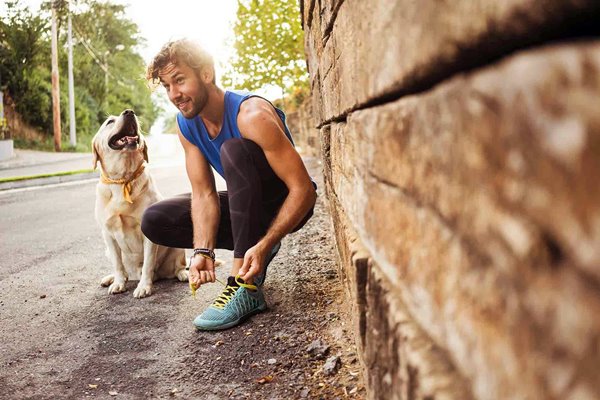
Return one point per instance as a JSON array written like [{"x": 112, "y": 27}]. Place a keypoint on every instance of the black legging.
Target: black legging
[{"x": 253, "y": 198}]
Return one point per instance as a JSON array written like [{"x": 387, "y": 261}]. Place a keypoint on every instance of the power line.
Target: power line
[
  {"x": 88, "y": 47},
  {"x": 90, "y": 51}
]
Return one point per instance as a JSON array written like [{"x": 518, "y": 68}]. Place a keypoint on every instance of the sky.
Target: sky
[{"x": 209, "y": 22}]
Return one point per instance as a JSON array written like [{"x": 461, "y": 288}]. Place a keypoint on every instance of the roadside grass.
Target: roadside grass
[
  {"x": 47, "y": 144},
  {"x": 21, "y": 178}
]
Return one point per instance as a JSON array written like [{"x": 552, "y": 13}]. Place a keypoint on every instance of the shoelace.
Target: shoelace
[
  {"x": 225, "y": 296},
  {"x": 227, "y": 293}
]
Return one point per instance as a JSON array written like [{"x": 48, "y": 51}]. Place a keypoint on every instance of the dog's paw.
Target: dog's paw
[
  {"x": 182, "y": 275},
  {"x": 107, "y": 280},
  {"x": 117, "y": 286},
  {"x": 142, "y": 290}
]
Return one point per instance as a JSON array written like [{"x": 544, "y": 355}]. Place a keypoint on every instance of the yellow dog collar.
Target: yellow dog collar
[{"x": 125, "y": 182}]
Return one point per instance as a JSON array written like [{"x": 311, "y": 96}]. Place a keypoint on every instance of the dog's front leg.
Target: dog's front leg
[
  {"x": 144, "y": 288},
  {"x": 115, "y": 282}
]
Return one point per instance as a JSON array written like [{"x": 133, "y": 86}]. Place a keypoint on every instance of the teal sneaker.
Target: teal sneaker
[
  {"x": 260, "y": 279},
  {"x": 236, "y": 303}
]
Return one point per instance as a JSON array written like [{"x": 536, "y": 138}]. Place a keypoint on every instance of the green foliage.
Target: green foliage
[
  {"x": 268, "y": 47},
  {"x": 108, "y": 42},
  {"x": 23, "y": 51},
  {"x": 104, "y": 51}
]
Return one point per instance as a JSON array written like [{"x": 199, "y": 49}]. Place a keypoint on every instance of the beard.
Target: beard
[{"x": 198, "y": 102}]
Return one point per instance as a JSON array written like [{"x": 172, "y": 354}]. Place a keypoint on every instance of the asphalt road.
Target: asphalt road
[
  {"x": 51, "y": 304},
  {"x": 63, "y": 336}
]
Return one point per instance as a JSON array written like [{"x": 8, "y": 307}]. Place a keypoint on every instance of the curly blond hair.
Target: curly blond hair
[{"x": 180, "y": 51}]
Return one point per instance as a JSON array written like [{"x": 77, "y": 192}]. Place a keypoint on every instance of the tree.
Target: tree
[
  {"x": 268, "y": 47},
  {"x": 24, "y": 46},
  {"x": 93, "y": 48},
  {"x": 104, "y": 51},
  {"x": 107, "y": 62}
]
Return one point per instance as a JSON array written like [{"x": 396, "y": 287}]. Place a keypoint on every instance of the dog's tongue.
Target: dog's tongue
[{"x": 126, "y": 140}]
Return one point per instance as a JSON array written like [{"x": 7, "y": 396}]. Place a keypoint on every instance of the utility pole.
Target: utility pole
[
  {"x": 72, "y": 134},
  {"x": 106, "y": 81},
  {"x": 55, "y": 83}
]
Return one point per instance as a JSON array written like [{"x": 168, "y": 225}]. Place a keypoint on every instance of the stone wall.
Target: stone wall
[{"x": 461, "y": 150}]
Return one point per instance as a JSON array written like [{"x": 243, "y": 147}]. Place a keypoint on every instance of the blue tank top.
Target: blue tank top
[{"x": 195, "y": 131}]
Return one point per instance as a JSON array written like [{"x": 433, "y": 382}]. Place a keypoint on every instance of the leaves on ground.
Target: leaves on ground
[{"x": 265, "y": 379}]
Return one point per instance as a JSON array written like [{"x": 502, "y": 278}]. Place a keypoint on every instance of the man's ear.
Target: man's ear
[
  {"x": 208, "y": 74},
  {"x": 143, "y": 146},
  {"x": 95, "y": 154}
]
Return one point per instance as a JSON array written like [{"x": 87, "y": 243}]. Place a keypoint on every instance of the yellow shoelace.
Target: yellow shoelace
[{"x": 227, "y": 293}]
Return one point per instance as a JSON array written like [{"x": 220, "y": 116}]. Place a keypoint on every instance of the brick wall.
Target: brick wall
[{"x": 461, "y": 151}]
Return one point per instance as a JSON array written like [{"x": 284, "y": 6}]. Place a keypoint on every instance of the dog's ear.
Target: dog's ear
[
  {"x": 145, "y": 152},
  {"x": 95, "y": 154}
]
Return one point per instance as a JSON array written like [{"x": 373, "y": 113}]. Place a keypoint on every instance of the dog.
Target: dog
[{"x": 125, "y": 190}]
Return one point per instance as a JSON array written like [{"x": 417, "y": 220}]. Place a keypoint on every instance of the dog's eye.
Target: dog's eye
[{"x": 110, "y": 121}]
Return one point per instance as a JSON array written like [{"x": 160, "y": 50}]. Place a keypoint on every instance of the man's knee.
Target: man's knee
[
  {"x": 236, "y": 149},
  {"x": 152, "y": 223}
]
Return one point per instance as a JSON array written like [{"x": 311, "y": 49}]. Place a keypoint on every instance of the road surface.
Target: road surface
[{"x": 63, "y": 336}]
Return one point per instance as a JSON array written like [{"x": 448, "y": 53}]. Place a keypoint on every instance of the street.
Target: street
[{"x": 63, "y": 336}]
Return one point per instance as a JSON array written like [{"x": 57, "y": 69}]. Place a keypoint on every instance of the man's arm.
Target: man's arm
[
  {"x": 204, "y": 209},
  {"x": 259, "y": 122}
]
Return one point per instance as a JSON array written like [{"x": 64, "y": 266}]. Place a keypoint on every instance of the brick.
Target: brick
[
  {"x": 401, "y": 359},
  {"x": 479, "y": 204},
  {"x": 369, "y": 50}
]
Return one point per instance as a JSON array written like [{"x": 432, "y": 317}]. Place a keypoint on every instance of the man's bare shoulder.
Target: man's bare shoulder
[
  {"x": 255, "y": 108},
  {"x": 258, "y": 121}
]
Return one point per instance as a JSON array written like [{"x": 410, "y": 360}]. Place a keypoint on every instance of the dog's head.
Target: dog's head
[{"x": 119, "y": 141}]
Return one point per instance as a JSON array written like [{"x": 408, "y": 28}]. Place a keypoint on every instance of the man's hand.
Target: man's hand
[
  {"x": 254, "y": 261},
  {"x": 202, "y": 270}
]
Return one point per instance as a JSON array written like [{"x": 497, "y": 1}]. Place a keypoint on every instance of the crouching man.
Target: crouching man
[{"x": 269, "y": 192}]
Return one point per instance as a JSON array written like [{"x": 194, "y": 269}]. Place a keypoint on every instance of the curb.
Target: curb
[
  {"x": 24, "y": 183},
  {"x": 11, "y": 164}
]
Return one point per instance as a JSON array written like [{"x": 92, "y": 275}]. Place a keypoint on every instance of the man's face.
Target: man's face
[{"x": 185, "y": 89}]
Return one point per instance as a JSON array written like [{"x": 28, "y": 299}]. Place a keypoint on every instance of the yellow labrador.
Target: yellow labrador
[{"x": 125, "y": 190}]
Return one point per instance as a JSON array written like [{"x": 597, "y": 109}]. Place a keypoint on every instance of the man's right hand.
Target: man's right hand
[{"x": 202, "y": 270}]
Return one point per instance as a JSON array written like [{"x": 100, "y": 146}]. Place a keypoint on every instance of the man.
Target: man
[{"x": 269, "y": 192}]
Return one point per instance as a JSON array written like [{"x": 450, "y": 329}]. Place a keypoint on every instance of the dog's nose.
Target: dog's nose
[{"x": 128, "y": 112}]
